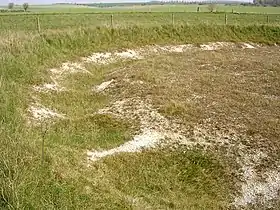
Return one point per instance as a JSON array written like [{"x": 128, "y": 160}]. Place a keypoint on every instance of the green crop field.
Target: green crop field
[
  {"x": 63, "y": 17},
  {"x": 52, "y": 22},
  {"x": 145, "y": 107},
  {"x": 150, "y": 8}
]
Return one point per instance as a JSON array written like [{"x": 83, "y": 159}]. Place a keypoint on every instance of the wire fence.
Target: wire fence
[{"x": 44, "y": 22}]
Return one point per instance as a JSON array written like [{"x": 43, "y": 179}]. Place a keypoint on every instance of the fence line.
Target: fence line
[
  {"x": 225, "y": 19},
  {"x": 25, "y": 23},
  {"x": 38, "y": 25},
  {"x": 125, "y": 12}
]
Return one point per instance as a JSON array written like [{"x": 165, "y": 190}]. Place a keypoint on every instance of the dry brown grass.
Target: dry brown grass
[
  {"x": 229, "y": 98},
  {"x": 236, "y": 88}
]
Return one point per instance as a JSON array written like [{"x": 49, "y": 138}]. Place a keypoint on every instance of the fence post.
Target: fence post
[
  {"x": 44, "y": 132},
  {"x": 111, "y": 19},
  {"x": 38, "y": 25},
  {"x": 226, "y": 18},
  {"x": 173, "y": 22},
  {"x": 267, "y": 19},
  {"x": 43, "y": 151}
]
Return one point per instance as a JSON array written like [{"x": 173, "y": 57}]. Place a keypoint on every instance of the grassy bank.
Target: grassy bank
[
  {"x": 24, "y": 57},
  {"x": 59, "y": 182}
]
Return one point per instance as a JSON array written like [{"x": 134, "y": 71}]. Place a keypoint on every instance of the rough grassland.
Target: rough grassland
[
  {"x": 153, "y": 179},
  {"x": 52, "y": 22}
]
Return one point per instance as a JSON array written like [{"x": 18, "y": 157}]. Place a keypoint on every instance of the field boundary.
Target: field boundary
[
  {"x": 130, "y": 12},
  {"x": 31, "y": 22}
]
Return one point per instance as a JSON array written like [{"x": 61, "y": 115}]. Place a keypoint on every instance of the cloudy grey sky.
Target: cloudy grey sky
[{"x": 5, "y": 2}]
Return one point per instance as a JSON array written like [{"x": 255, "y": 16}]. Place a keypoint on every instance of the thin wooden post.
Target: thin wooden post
[
  {"x": 38, "y": 25},
  {"x": 43, "y": 150},
  {"x": 112, "y": 24},
  {"x": 267, "y": 19},
  {"x": 44, "y": 132},
  {"x": 173, "y": 21},
  {"x": 226, "y": 19}
]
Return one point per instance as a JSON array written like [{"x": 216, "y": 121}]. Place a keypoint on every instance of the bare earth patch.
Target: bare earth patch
[
  {"x": 106, "y": 58},
  {"x": 103, "y": 86},
  {"x": 154, "y": 128},
  {"x": 48, "y": 87},
  {"x": 257, "y": 188},
  {"x": 41, "y": 113}
]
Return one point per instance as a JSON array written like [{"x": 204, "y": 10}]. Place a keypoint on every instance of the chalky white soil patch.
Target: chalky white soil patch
[
  {"x": 100, "y": 58},
  {"x": 68, "y": 68},
  {"x": 154, "y": 128},
  {"x": 248, "y": 46},
  {"x": 48, "y": 87},
  {"x": 129, "y": 54},
  {"x": 134, "y": 82},
  {"x": 217, "y": 46},
  {"x": 105, "y": 58},
  {"x": 171, "y": 49},
  {"x": 57, "y": 76},
  {"x": 103, "y": 86},
  {"x": 40, "y": 113},
  {"x": 140, "y": 53},
  {"x": 147, "y": 139},
  {"x": 256, "y": 188}
]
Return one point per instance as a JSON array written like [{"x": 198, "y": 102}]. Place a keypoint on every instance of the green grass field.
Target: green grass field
[
  {"x": 151, "y": 8},
  {"x": 63, "y": 17},
  {"x": 225, "y": 100},
  {"x": 29, "y": 23}
]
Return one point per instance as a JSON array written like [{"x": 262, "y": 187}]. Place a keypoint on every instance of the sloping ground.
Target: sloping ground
[{"x": 205, "y": 119}]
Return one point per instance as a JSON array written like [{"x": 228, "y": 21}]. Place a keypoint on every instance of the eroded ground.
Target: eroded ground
[{"x": 168, "y": 127}]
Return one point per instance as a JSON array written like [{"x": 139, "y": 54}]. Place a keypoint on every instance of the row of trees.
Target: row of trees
[
  {"x": 267, "y": 2},
  {"x": 24, "y": 6}
]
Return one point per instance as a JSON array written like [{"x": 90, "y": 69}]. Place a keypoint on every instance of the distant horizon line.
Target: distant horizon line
[{"x": 137, "y": 2}]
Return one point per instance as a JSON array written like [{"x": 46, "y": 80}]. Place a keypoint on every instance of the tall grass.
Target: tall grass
[{"x": 24, "y": 182}]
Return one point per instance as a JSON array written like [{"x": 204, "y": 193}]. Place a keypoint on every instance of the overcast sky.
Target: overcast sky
[{"x": 5, "y": 2}]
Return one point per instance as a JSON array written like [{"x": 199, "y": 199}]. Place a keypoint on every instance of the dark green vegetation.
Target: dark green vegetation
[
  {"x": 267, "y": 2},
  {"x": 187, "y": 180},
  {"x": 171, "y": 179}
]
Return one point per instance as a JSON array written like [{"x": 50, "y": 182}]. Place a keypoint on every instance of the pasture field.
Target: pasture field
[
  {"x": 29, "y": 23},
  {"x": 150, "y": 114},
  {"x": 64, "y": 17},
  {"x": 150, "y": 8}
]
